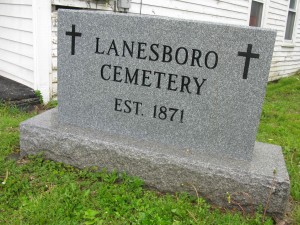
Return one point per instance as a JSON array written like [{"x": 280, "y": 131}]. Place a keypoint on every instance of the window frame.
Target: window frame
[
  {"x": 264, "y": 6},
  {"x": 291, "y": 42}
]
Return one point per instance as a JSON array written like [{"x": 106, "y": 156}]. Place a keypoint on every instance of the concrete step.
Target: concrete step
[{"x": 14, "y": 93}]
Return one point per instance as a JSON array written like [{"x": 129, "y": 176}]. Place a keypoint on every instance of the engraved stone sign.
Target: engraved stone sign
[
  {"x": 187, "y": 84},
  {"x": 174, "y": 102}
]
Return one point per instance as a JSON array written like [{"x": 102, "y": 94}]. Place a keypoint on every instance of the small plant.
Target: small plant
[
  {"x": 6, "y": 177},
  {"x": 38, "y": 94},
  {"x": 272, "y": 189},
  {"x": 91, "y": 217},
  {"x": 51, "y": 104}
]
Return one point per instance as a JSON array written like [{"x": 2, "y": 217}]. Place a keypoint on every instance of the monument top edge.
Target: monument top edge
[{"x": 165, "y": 18}]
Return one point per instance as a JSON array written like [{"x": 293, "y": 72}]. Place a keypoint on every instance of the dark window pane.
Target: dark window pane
[
  {"x": 256, "y": 14},
  {"x": 290, "y": 25},
  {"x": 293, "y": 4}
]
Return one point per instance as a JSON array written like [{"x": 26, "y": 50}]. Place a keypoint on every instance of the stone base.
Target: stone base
[{"x": 249, "y": 183}]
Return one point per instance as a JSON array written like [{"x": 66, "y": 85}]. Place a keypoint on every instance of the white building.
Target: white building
[{"x": 28, "y": 31}]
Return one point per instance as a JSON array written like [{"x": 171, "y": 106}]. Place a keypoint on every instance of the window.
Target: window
[
  {"x": 290, "y": 20},
  {"x": 256, "y": 14}
]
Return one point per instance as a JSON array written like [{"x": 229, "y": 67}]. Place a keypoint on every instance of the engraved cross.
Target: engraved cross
[
  {"x": 248, "y": 56},
  {"x": 74, "y": 35}
]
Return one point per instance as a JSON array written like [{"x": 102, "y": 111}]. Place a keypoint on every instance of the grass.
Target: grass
[
  {"x": 280, "y": 125},
  {"x": 39, "y": 191}
]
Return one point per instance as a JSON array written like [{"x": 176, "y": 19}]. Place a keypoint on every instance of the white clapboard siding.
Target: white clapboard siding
[
  {"x": 16, "y": 41},
  {"x": 16, "y": 73},
  {"x": 16, "y": 23},
  {"x": 16, "y": 47},
  {"x": 286, "y": 56},
  {"x": 230, "y": 11},
  {"x": 16, "y": 59},
  {"x": 14, "y": 10},
  {"x": 16, "y": 2}
]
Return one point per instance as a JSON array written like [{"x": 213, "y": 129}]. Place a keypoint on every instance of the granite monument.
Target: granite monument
[{"x": 175, "y": 102}]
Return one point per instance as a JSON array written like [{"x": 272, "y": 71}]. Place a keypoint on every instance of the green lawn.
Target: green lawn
[
  {"x": 38, "y": 191},
  {"x": 280, "y": 125}
]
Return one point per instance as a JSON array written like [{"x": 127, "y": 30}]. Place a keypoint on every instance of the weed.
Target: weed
[
  {"x": 51, "y": 104},
  {"x": 39, "y": 95},
  {"x": 272, "y": 189}
]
